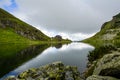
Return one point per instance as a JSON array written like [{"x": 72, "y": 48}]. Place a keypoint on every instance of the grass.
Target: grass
[
  {"x": 103, "y": 46},
  {"x": 9, "y": 36}
]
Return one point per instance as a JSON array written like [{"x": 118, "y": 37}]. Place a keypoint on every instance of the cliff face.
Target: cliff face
[{"x": 9, "y": 21}]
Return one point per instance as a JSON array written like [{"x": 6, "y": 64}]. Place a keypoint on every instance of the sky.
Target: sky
[{"x": 73, "y": 19}]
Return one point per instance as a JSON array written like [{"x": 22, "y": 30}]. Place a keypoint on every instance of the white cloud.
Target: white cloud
[
  {"x": 64, "y": 15},
  {"x": 80, "y": 36},
  {"x": 74, "y": 37},
  {"x": 74, "y": 19}
]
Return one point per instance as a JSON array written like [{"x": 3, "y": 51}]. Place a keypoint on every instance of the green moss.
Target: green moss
[
  {"x": 52, "y": 72},
  {"x": 90, "y": 70},
  {"x": 23, "y": 75}
]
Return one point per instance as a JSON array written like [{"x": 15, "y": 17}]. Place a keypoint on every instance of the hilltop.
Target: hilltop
[{"x": 13, "y": 30}]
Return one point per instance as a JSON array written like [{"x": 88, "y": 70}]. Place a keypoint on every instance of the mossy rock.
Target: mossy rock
[{"x": 53, "y": 71}]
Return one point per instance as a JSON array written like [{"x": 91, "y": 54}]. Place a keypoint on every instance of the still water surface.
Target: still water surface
[{"x": 74, "y": 54}]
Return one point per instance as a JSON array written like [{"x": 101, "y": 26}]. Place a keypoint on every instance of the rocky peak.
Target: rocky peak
[
  {"x": 117, "y": 16},
  {"x": 116, "y": 21}
]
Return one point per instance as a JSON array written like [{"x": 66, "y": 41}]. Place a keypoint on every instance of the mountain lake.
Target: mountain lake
[{"x": 22, "y": 58}]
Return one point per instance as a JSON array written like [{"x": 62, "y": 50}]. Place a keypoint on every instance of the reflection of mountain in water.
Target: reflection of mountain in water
[
  {"x": 13, "y": 55},
  {"x": 8, "y": 63},
  {"x": 58, "y": 46}
]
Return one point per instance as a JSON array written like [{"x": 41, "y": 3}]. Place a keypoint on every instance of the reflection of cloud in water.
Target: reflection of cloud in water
[
  {"x": 72, "y": 46},
  {"x": 75, "y": 46}
]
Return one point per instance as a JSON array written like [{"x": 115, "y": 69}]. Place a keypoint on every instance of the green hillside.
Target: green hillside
[
  {"x": 9, "y": 36},
  {"x": 13, "y": 30},
  {"x": 107, "y": 50},
  {"x": 109, "y": 33}
]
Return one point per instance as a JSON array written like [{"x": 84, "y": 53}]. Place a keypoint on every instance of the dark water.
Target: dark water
[{"x": 74, "y": 54}]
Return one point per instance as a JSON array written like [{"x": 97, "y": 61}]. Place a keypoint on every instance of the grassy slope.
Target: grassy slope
[
  {"x": 109, "y": 28},
  {"x": 12, "y": 30},
  {"x": 9, "y": 36},
  {"x": 97, "y": 40},
  {"x": 103, "y": 47},
  {"x": 20, "y": 27}
]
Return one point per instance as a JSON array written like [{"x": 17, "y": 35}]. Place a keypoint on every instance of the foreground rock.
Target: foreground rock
[
  {"x": 96, "y": 77},
  {"x": 54, "y": 71},
  {"x": 109, "y": 65}
]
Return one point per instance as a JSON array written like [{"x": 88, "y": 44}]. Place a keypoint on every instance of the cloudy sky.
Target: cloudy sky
[{"x": 73, "y": 19}]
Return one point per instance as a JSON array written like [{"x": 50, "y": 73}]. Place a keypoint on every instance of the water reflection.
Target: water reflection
[
  {"x": 74, "y": 54},
  {"x": 13, "y": 55},
  {"x": 58, "y": 46}
]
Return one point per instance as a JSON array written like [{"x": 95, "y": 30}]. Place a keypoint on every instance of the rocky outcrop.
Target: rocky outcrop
[
  {"x": 106, "y": 67},
  {"x": 111, "y": 29},
  {"x": 116, "y": 21},
  {"x": 109, "y": 65},
  {"x": 54, "y": 71},
  {"x": 96, "y": 77}
]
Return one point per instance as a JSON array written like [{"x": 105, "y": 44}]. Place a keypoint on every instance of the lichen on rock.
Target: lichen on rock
[
  {"x": 96, "y": 77},
  {"x": 53, "y": 71},
  {"x": 109, "y": 65}
]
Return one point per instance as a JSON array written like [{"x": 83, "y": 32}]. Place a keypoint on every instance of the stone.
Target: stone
[
  {"x": 11, "y": 78},
  {"x": 53, "y": 71},
  {"x": 109, "y": 65},
  {"x": 96, "y": 77}
]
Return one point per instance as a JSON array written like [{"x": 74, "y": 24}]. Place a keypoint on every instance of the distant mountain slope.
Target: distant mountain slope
[
  {"x": 20, "y": 28},
  {"x": 110, "y": 32}
]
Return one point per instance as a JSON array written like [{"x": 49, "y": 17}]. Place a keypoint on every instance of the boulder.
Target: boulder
[
  {"x": 53, "y": 71},
  {"x": 108, "y": 65},
  {"x": 96, "y": 77}
]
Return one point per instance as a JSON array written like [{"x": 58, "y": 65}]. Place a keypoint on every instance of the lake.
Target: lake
[{"x": 74, "y": 54}]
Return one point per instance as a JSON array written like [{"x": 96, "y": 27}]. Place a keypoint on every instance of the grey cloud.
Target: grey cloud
[{"x": 73, "y": 16}]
